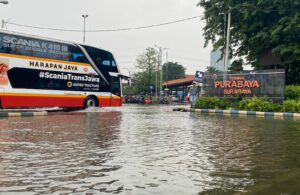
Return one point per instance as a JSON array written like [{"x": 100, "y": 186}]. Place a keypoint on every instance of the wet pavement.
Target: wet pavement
[{"x": 148, "y": 150}]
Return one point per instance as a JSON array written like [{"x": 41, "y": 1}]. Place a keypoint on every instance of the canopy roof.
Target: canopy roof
[{"x": 187, "y": 80}]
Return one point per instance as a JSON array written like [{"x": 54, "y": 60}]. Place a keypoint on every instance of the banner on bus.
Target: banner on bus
[
  {"x": 53, "y": 80},
  {"x": 265, "y": 83}
]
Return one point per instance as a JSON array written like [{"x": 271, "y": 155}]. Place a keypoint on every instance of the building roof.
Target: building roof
[{"x": 185, "y": 80}]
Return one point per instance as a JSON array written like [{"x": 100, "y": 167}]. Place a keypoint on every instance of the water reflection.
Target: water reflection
[
  {"x": 60, "y": 153},
  {"x": 254, "y": 155},
  {"x": 148, "y": 150}
]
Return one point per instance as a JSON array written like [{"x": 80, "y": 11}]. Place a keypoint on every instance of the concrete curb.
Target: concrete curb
[
  {"x": 241, "y": 113},
  {"x": 23, "y": 114}
]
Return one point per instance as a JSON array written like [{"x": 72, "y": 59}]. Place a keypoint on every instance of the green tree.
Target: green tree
[
  {"x": 129, "y": 90},
  {"x": 141, "y": 82},
  {"x": 172, "y": 70},
  {"x": 146, "y": 64},
  {"x": 210, "y": 69},
  {"x": 148, "y": 60},
  {"x": 257, "y": 26},
  {"x": 236, "y": 65}
]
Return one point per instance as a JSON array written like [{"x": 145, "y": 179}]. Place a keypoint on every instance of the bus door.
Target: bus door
[{"x": 115, "y": 97}]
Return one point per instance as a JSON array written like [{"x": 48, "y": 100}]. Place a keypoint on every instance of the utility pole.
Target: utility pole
[
  {"x": 227, "y": 41},
  {"x": 157, "y": 87},
  {"x": 224, "y": 49},
  {"x": 84, "y": 17},
  {"x": 129, "y": 73},
  {"x": 159, "y": 68},
  {"x": 167, "y": 61},
  {"x": 149, "y": 79},
  {"x": 160, "y": 72}
]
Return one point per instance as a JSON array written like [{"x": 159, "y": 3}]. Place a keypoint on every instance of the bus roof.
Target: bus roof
[{"x": 48, "y": 39}]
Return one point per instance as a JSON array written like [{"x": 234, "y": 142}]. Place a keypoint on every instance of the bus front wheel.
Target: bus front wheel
[{"x": 90, "y": 102}]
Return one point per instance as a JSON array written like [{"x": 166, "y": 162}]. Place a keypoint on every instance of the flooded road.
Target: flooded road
[{"x": 148, "y": 150}]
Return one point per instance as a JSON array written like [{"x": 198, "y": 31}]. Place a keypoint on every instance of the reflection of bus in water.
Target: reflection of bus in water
[{"x": 41, "y": 72}]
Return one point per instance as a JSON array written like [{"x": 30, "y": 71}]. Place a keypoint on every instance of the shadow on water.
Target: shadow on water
[{"x": 148, "y": 150}]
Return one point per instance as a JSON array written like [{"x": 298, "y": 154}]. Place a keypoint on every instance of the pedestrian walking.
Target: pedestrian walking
[{"x": 193, "y": 94}]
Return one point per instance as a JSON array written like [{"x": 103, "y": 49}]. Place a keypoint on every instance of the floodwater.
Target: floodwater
[{"x": 148, "y": 150}]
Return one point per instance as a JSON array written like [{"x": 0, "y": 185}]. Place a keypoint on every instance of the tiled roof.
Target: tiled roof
[{"x": 186, "y": 79}]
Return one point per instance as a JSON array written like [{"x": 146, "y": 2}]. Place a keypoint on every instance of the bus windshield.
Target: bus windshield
[
  {"x": 103, "y": 60},
  {"x": 105, "y": 63}
]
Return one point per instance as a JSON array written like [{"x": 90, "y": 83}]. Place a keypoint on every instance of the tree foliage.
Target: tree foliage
[
  {"x": 236, "y": 65},
  {"x": 210, "y": 69},
  {"x": 257, "y": 26},
  {"x": 172, "y": 70},
  {"x": 148, "y": 60},
  {"x": 147, "y": 65}
]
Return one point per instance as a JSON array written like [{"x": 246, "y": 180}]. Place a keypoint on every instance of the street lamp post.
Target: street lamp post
[
  {"x": 159, "y": 72},
  {"x": 167, "y": 60},
  {"x": 84, "y": 17}
]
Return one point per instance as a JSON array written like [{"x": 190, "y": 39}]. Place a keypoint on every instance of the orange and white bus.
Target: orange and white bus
[{"x": 42, "y": 72}]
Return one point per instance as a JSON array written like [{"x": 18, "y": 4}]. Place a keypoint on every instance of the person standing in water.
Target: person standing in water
[{"x": 193, "y": 94}]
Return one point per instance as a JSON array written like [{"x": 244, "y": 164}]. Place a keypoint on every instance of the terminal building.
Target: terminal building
[
  {"x": 181, "y": 83},
  {"x": 217, "y": 61},
  {"x": 179, "y": 87}
]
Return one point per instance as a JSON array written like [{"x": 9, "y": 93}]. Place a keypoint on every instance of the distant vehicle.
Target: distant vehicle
[
  {"x": 136, "y": 99},
  {"x": 42, "y": 72},
  {"x": 174, "y": 96}
]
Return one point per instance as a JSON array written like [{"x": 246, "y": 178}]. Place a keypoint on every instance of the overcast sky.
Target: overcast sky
[{"x": 184, "y": 40}]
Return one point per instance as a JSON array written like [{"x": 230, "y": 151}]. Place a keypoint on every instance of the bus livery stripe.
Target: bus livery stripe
[
  {"x": 57, "y": 96},
  {"x": 38, "y": 100}
]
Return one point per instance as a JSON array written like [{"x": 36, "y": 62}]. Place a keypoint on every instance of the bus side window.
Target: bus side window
[
  {"x": 82, "y": 58},
  {"x": 76, "y": 55},
  {"x": 106, "y": 62},
  {"x": 98, "y": 60}
]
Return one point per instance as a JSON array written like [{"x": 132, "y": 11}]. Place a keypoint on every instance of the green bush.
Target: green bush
[
  {"x": 298, "y": 106},
  {"x": 292, "y": 92},
  {"x": 278, "y": 108},
  {"x": 251, "y": 104},
  {"x": 257, "y": 104},
  {"x": 291, "y": 106},
  {"x": 223, "y": 104},
  {"x": 211, "y": 103}
]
